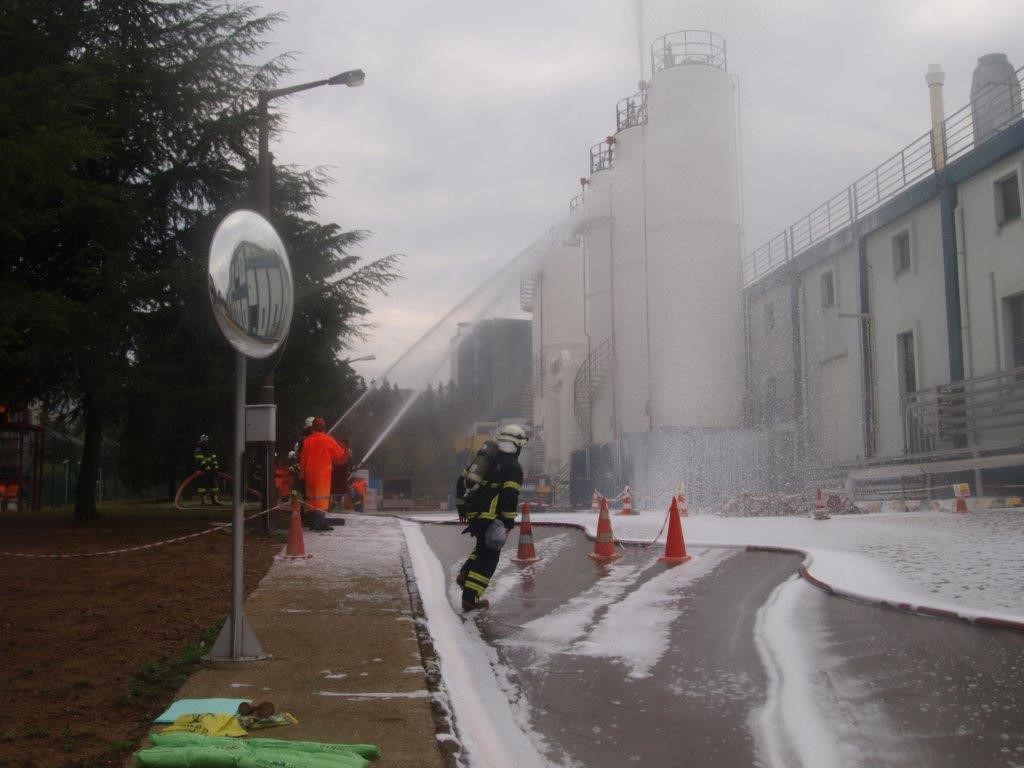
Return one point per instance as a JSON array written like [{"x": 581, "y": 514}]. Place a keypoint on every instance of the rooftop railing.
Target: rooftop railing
[
  {"x": 601, "y": 156},
  {"x": 631, "y": 111},
  {"x": 993, "y": 109},
  {"x": 689, "y": 46},
  {"x": 576, "y": 202}
]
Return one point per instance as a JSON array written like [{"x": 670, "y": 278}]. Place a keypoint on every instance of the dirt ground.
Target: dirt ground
[{"x": 93, "y": 648}]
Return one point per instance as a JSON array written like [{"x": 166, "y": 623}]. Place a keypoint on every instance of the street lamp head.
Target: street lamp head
[{"x": 353, "y": 78}]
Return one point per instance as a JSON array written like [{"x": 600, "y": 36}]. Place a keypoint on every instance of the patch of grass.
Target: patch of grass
[
  {"x": 157, "y": 679},
  {"x": 36, "y": 732},
  {"x": 6, "y": 737}
]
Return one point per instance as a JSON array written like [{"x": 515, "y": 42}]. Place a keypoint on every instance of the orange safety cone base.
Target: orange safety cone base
[
  {"x": 296, "y": 548},
  {"x": 674, "y": 560},
  {"x": 523, "y": 560},
  {"x": 604, "y": 558}
]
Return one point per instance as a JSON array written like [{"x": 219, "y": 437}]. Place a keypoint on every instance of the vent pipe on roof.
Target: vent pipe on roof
[
  {"x": 935, "y": 77},
  {"x": 995, "y": 96}
]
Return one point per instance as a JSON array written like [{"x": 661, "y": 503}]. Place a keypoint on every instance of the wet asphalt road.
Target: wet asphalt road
[{"x": 898, "y": 690}]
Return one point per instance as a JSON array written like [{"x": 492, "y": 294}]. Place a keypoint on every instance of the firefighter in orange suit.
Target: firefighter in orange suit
[{"x": 320, "y": 452}]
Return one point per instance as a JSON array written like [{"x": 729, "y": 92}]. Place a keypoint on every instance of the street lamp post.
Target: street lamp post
[{"x": 352, "y": 78}]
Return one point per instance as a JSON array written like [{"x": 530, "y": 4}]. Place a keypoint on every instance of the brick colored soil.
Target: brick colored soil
[{"x": 92, "y": 648}]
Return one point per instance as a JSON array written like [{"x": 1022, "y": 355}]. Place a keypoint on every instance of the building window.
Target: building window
[
  {"x": 1007, "y": 192},
  {"x": 769, "y": 318},
  {"x": 905, "y": 361},
  {"x": 901, "y": 253},
  {"x": 828, "y": 289},
  {"x": 1015, "y": 305}
]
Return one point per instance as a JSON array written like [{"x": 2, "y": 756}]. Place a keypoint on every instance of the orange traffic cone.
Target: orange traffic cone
[
  {"x": 627, "y": 503},
  {"x": 675, "y": 547},
  {"x": 595, "y": 501},
  {"x": 604, "y": 544},
  {"x": 526, "y": 553},
  {"x": 296, "y": 549},
  {"x": 681, "y": 501},
  {"x": 820, "y": 512}
]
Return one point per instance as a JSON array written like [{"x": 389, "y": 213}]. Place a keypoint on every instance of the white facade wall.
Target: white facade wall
[
  {"x": 993, "y": 258},
  {"x": 694, "y": 281},
  {"x": 830, "y": 347},
  {"x": 629, "y": 283},
  {"x": 772, "y": 395},
  {"x": 913, "y": 301}
]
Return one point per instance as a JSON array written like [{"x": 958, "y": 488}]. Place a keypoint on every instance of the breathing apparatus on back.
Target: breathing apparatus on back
[
  {"x": 510, "y": 439},
  {"x": 481, "y": 465}
]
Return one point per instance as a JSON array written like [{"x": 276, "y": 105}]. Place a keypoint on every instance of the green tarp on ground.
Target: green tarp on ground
[{"x": 189, "y": 750}]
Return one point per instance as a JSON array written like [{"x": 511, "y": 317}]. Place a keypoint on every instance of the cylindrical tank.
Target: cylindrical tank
[
  {"x": 597, "y": 237},
  {"x": 995, "y": 96},
  {"x": 558, "y": 322},
  {"x": 628, "y": 268},
  {"x": 693, "y": 236}
]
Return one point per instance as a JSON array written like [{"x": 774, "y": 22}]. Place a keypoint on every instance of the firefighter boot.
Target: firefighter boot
[
  {"x": 468, "y": 605},
  {"x": 216, "y": 501}
]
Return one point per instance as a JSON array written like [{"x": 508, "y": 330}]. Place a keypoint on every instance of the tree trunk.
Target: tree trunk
[{"x": 88, "y": 474}]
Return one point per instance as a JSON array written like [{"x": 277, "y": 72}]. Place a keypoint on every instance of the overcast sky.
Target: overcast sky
[{"x": 473, "y": 128}]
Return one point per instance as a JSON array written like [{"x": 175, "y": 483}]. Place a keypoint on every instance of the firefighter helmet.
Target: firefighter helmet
[
  {"x": 308, "y": 423},
  {"x": 511, "y": 435},
  {"x": 204, "y": 439}
]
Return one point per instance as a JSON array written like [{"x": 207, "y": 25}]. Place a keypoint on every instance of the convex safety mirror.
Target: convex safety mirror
[{"x": 251, "y": 285}]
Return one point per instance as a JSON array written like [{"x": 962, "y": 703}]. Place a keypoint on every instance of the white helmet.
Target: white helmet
[
  {"x": 511, "y": 438},
  {"x": 308, "y": 423}
]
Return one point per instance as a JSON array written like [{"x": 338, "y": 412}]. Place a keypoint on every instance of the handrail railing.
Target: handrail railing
[
  {"x": 601, "y": 156},
  {"x": 689, "y": 46},
  {"x": 631, "y": 111},
  {"x": 916, "y": 162},
  {"x": 947, "y": 415},
  {"x": 538, "y": 374},
  {"x": 576, "y": 202},
  {"x": 588, "y": 380}
]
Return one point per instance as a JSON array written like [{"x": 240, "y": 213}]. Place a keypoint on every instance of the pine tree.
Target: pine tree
[{"x": 128, "y": 130}]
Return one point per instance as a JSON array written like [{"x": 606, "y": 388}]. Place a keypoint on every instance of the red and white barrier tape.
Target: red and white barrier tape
[{"x": 137, "y": 548}]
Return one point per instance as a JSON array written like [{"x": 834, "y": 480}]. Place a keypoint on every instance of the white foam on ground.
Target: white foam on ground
[
  {"x": 793, "y": 732},
  {"x": 635, "y": 630},
  {"x": 968, "y": 563},
  {"x": 483, "y": 715}
]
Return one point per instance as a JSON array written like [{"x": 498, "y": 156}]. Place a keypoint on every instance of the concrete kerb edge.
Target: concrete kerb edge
[
  {"x": 925, "y": 611},
  {"x": 444, "y": 716}
]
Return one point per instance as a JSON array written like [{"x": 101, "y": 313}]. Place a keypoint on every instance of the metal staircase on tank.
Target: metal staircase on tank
[
  {"x": 560, "y": 484},
  {"x": 589, "y": 377}
]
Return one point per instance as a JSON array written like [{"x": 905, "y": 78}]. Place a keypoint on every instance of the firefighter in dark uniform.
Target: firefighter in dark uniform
[
  {"x": 489, "y": 507},
  {"x": 207, "y": 463}
]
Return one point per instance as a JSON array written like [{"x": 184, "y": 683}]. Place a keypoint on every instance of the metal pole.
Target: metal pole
[
  {"x": 237, "y": 553},
  {"x": 267, "y": 387}
]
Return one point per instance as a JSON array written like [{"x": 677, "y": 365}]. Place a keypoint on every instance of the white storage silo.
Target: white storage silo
[
  {"x": 558, "y": 311},
  {"x": 597, "y": 381},
  {"x": 628, "y": 268},
  {"x": 693, "y": 236}
]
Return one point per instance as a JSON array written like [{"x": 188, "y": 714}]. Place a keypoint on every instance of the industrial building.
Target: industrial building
[
  {"x": 877, "y": 340},
  {"x": 491, "y": 365}
]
